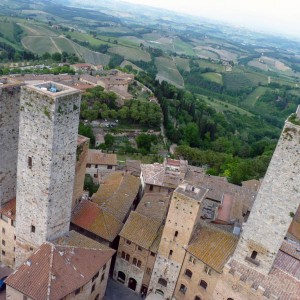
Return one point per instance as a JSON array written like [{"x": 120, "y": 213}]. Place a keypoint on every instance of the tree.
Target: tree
[
  {"x": 109, "y": 140},
  {"x": 57, "y": 57}
]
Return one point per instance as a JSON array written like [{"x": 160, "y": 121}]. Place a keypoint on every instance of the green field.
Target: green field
[
  {"x": 236, "y": 81},
  {"x": 168, "y": 71},
  {"x": 207, "y": 64},
  {"x": 182, "y": 63},
  {"x": 215, "y": 77},
  {"x": 221, "y": 106},
  {"x": 37, "y": 30},
  {"x": 7, "y": 29},
  {"x": 39, "y": 44},
  {"x": 130, "y": 53},
  {"x": 129, "y": 63},
  {"x": 254, "y": 96}
]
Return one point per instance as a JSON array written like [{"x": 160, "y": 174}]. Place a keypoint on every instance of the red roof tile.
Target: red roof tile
[{"x": 9, "y": 209}]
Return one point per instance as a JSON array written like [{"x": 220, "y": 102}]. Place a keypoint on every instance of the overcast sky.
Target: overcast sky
[{"x": 282, "y": 16}]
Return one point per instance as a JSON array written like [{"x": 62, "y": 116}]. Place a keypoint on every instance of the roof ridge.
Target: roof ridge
[
  {"x": 83, "y": 247},
  {"x": 50, "y": 270}
]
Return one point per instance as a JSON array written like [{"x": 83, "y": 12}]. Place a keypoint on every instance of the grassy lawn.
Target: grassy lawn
[
  {"x": 215, "y": 77},
  {"x": 148, "y": 159},
  {"x": 254, "y": 96},
  {"x": 39, "y": 44},
  {"x": 236, "y": 81}
]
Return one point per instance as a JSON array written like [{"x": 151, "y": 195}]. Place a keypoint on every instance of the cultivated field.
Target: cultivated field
[
  {"x": 182, "y": 63},
  {"x": 254, "y": 96},
  {"x": 215, "y": 77},
  {"x": 168, "y": 71},
  {"x": 131, "y": 53}
]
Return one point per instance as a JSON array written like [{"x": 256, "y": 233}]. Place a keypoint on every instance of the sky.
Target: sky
[{"x": 277, "y": 16}]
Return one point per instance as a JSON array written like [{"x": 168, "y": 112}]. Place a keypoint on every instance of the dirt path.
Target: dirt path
[{"x": 55, "y": 45}]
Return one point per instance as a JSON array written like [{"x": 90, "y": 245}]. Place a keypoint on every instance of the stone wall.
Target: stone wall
[
  {"x": 81, "y": 158},
  {"x": 275, "y": 204},
  {"x": 9, "y": 131},
  {"x": 46, "y": 165}
]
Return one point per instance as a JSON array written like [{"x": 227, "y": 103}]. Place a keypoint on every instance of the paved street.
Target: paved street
[{"x": 117, "y": 291}]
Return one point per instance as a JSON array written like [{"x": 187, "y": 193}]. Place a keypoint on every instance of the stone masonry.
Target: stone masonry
[
  {"x": 9, "y": 131},
  {"x": 46, "y": 164},
  {"x": 275, "y": 204},
  {"x": 183, "y": 215}
]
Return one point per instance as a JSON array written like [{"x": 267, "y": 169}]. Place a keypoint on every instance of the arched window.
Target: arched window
[
  {"x": 159, "y": 292},
  {"x": 170, "y": 254},
  {"x": 182, "y": 289},
  {"x": 253, "y": 255},
  {"x": 188, "y": 273},
  {"x": 127, "y": 257},
  {"x": 162, "y": 281},
  {"x": 134, "y": 261},
  {"x": 176, "y": 234},
  {"x": 139, "y": 264},
  {"x": 121, "y": 277},
  {"x": 203, "y": 284},
  {"x": 197, "y": 298}
]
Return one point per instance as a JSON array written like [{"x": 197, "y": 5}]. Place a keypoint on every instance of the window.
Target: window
[
  {"x": 123, "y": 255},
  {"x": 152, "y": 254},
  {"x": 253, "y": 255},
  {"x": 197, "y": 298},
  {"x": 128, "y": 242},
  {"x": 148, "y": 271},
  {"x": 134, "y": 262},
  {"x": 13, "y": 223},
  {"x": 32, "y": 228},
  {"x": 3, "y": 252},
  {"x": 162, "y": 281},
  {"x": 170, "y": 254},
  {"x": 188, "y": 273},
  {"x": 192, "y": 259},
  {"x": 3, "y": 242},
  {"x": 77, "y": 291},
  {"x": 229, "y": 298},
  {"x": 140, "y": 248},
  {"x": 127, "y": 257},
  {"x": 15, "y": 237},
  {"x": 109, "y": 167},
  {"x": 102, "y": 277},
  {"x": 29, "y": 162},
  {"x": 151, "y": 187},
  {"x": 95, "y": 175},
  {"x": 203, "y": 284},
  {"x": 182, "y": 289},
  {"x": 95, "y": 276},
  {"x": 104, "y": 267},
  {"x": 176, "y": 234},
  {"x": 3, "y": 230},
  {"x": 88, "y": 165},
  {"x": 93, "y": 288},
  {"x": 207, "y": 270},
  {"x": 31, "y": 249},
  {"x": 139, "y": 264},
  {"x": 96, "y": 166}
]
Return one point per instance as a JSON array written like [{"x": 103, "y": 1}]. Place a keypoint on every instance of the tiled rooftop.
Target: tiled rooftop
[
  {"x": 117, "y": 193},
  {"x": 9, "y": 209},
  {"x": 54, "y": 271},
  {"x": 212, "y": 246},
  {"x": 154, "y": 205},
  {"x": 141, "y": 230},
  {"x": 91, "y": 217},
  {"x": 96, "y": 157}
]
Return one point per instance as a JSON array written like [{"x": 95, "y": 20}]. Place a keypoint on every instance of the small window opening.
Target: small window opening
[
  {"x": 32, "y": 228},
  {"x": 30, "y": 162},
  {"x": 253, "y": 255}
]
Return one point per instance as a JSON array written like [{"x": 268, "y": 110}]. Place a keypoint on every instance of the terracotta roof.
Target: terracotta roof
[
  {"x": 154, "y": 205},
  {"x": 213, "y": 246},
  {"x": 9, "y": 209},
  {"x": 173, "y": 162},
  {"x": 117, "y": 193},
  {"x": 133, "y": 167},
  {"x": 91, "y": 217},
  {"x": 89, "y": 78},
  {"x": 154, "y": 247},
  {"x": 294, "y": 228},
  {"x": 224, "y": 210},
  {"x": 252, "y": 184},
  {"x": 96, "y": 157},
  {"x": 141, "y": 230},
  {"x": 81, "y": 139},
  {"x": 53, "y": 271}
]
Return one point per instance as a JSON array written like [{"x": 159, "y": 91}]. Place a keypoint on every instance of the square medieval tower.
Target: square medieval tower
[{"x": 49, "y": 116}]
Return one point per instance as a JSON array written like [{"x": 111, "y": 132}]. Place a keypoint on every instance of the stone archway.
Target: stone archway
[{"x": 132, "y": 283}]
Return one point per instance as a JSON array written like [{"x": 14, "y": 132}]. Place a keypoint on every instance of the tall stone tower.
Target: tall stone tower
[
  {"x": 9, "y": 132},
  {"x": 46, "y": 164},
  {"x": 275, "y": 204},
  {"x": 183, "y": 215}
]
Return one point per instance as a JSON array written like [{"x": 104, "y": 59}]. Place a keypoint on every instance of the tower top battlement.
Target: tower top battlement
[
  {"x": 53, "y": 89},
  {"x": 7, "y": 81}
]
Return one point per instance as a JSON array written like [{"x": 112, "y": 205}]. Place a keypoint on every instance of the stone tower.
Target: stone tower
[
  {"x": 184, "y": 213},
  {"x": 9, "y": 131},
  {"x": 46, "y": 164},
  {"x": 275, "y": 204}
]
